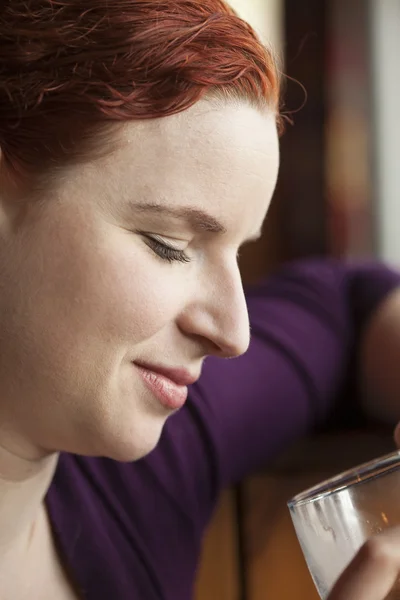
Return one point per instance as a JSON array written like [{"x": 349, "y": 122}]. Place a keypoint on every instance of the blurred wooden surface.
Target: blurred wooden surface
[{"x": 219, "y": 570}]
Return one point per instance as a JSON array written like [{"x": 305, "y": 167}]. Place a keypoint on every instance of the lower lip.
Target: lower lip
[{"x": 168, "y": 393}]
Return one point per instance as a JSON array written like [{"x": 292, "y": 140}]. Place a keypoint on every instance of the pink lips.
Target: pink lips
[{"x": 169, "y": 386}]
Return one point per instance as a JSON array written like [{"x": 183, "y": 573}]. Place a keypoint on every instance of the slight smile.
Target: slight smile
[{"x": 168, "y": 385}]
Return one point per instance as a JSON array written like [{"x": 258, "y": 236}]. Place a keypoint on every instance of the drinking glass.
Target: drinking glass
[{"x": 334, "y": 518}]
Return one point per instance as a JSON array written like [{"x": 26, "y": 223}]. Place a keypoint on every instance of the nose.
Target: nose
[{"x": 217, "y": 312}]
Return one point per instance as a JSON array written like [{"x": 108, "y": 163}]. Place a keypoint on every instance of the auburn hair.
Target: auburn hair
[{"x": 69, "y": 69}]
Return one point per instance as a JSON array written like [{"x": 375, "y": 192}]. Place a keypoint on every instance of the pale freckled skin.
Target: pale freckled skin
[
  {"x": 84, "y": 295},
  {"x": 92, "y": 296}
]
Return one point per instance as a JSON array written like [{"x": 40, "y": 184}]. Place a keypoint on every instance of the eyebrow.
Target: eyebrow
[{"x": 198, "y": 219}]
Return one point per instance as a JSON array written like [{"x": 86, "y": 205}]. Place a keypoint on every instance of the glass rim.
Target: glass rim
[{"x": 355, "y": 476}]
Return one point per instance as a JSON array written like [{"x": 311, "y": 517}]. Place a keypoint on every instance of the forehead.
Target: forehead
[{"x": 219, "y": 157}]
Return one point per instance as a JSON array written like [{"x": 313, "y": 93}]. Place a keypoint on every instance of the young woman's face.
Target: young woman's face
[{"x": 130, "y": 262}]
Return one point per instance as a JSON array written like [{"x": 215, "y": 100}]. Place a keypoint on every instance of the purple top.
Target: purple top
[{"x": 134, "y": 531}]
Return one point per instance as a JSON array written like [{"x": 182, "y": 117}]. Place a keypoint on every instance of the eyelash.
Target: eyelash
[{"x": 165, "y": 251}]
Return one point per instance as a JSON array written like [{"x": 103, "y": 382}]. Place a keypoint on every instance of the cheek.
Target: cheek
[
  {"x": 138, "y": 294},
  {"x": 121, "y": 292},
  {"x": 87, "y": 294}
]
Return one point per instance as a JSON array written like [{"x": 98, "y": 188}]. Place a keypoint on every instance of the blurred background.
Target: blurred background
[
  {"x": 338, "y": 194},
  {"x": 339, "y": 180}
]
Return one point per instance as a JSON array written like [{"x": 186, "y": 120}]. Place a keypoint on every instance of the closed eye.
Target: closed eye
[{"x": 164, "y": 250}]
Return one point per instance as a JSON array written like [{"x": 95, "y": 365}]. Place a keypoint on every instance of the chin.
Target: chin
[
  {"x": 127, "y": 444},
  {"x": 130, "y": 452}
]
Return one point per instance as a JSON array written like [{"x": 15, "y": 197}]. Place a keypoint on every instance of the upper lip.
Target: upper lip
[{"x": 178, "y": 375}]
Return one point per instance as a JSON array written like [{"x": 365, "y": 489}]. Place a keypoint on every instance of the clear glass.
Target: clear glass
[{"x": 334, "y": 518}]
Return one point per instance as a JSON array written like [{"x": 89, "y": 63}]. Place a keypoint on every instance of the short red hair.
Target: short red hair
[{"x": 69, "y": 68}]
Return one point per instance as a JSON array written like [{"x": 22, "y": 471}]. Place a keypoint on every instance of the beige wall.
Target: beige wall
[
  {"x": 265, "y": 16},
  {"x": 385, "y": 37}
]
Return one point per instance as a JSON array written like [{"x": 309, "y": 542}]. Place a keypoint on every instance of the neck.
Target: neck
[{"x": 23, "y": 486}]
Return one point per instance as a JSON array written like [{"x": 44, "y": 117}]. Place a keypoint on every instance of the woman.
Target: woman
[{"x": 139, "y": 151}]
